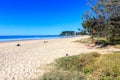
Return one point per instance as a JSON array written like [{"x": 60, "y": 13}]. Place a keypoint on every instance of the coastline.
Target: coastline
[
  {"x": 27, "y": 61},
  {"x": 34, "y": 38}
]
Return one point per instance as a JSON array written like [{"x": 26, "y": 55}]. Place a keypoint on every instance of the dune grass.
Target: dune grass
[
  {"x": 86, "y": 40},
  {"x": 117, "y": 46},
  {"x": 89, "y": 66},
  {"x": 116, "y": 41},
  {"x": 63, "y": 75}
]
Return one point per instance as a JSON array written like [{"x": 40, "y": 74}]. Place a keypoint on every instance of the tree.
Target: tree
[{"x": 104, "y": 20}]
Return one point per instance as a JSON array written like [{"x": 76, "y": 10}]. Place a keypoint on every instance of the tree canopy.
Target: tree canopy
[{"x": 104, "y": 18}]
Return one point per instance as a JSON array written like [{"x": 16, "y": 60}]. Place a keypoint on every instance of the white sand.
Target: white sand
[{"x": 22, "y": 63}]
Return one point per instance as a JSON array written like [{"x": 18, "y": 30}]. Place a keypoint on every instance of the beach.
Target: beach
[{"x": 26, "y": 62}]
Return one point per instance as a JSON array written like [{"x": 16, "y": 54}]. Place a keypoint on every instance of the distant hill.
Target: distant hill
[
  {"x": 67, "y": 33},
  {"x": 72, "y": 33}
]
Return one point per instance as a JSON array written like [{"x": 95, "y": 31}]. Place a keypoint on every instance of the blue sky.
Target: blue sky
[{"x": 40, "y": 17}]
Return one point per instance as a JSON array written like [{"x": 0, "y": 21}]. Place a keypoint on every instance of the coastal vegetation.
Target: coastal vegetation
[
  {"x": 103, "y": 20},
  {"x": 89, "y": 66}
]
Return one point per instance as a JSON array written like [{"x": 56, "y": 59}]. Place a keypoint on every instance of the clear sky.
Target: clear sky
[{"x": 40, "y": 17}]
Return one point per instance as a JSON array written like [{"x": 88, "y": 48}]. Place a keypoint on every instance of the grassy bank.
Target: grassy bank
[
  {"x": 100, "y": 39},
  {"x": 90, "y": 66}
]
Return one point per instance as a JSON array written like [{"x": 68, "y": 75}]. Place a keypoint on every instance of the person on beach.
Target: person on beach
[
  {"x": 45, "y": 41},
  {"x": 18, "y": 44}
]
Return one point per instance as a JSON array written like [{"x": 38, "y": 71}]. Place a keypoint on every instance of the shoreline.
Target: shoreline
[{"x": 35, "y": 39}]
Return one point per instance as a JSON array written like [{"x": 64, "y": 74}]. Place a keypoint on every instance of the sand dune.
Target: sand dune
[{"x": 22, "y": 63}]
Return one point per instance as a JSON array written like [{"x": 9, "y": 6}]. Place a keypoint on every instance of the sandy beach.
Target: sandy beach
[{"x": 24, "y": 62}]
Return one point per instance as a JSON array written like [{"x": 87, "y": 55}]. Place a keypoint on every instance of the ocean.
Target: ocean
[{"x": 29, "y": 37}]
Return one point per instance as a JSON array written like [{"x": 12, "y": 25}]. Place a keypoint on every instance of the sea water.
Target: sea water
[{"x": 29, "y": 37}]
